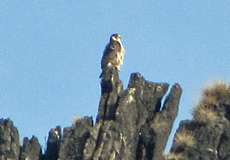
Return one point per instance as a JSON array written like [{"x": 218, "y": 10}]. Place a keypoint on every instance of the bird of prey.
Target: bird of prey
[{"x": 114, "y": 52}]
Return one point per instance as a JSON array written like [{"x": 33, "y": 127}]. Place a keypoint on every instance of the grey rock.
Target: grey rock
[
  {"x": 31, "y": 149},
  {"x": 211, "y": 137},
  {"x": 9, "y": 140},
  {"x": 131, "y": 124},
  {"x": 139, "y": 125},
  {"x": 53, "y": 144},
  {"x": 74, "y": 139}
]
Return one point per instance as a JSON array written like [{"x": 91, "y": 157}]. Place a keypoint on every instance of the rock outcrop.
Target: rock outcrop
[
  {"x": 9, "y": 140},
  {"x": 53, "y": 144},
  {"x": 74, "y": 139},
  {"x": 207, "y": 135},
  {"x": 133, "y": 124},
  {"x": 31, "y": 149}
]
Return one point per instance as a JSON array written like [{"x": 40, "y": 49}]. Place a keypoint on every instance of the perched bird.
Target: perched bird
[{"x": 114, "y": 52}]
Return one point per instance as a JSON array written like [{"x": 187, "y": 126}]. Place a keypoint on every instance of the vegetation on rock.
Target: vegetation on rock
[
  {"x": 133, "y": 124},
  {"x": 210, "y": 128}
]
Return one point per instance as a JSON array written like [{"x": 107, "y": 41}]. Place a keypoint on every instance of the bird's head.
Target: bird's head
[{"x": 115, "y": 37}]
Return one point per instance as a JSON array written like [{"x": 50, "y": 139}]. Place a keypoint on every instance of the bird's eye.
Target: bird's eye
[{"x": 113, "y": 38}]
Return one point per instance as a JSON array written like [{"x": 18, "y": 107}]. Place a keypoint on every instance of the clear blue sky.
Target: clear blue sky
[{"x": 50, "y": 53}]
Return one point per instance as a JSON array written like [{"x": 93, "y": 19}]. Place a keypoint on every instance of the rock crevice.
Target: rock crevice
[{"x": 131, "y": 124}]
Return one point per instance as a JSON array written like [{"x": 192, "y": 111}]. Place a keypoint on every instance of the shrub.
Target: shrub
[
  {"x": 204, "y": 114},
  {"x": 173, "y": 156},
  {"x": 211, "y": 104},
  {"x": 216, "y": 94},
  {"x": 185, "y": 138}
]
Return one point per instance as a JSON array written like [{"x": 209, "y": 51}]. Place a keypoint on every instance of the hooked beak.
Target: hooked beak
[
  {"x": 116, "y": 37},
  {"x": 119, "y": 36}
]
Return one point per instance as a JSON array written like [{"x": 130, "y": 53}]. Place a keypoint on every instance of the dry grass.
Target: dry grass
[
  {"x": 76, "y": 120},
  {"x": 185, "y": 138},
  {"x": 160, "y": 124},
  {"x": 216, "y": 94},
  {"x": 173, "y": 156},
  {"x": 213, "y": 97},
  {"x": 204, "y": 114}
]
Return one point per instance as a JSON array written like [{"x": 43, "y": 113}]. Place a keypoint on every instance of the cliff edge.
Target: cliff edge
[{"x": 133, "y": 124}]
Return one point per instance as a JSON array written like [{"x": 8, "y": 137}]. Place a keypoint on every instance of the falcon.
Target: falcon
[{"x": 114, "y": 52}]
